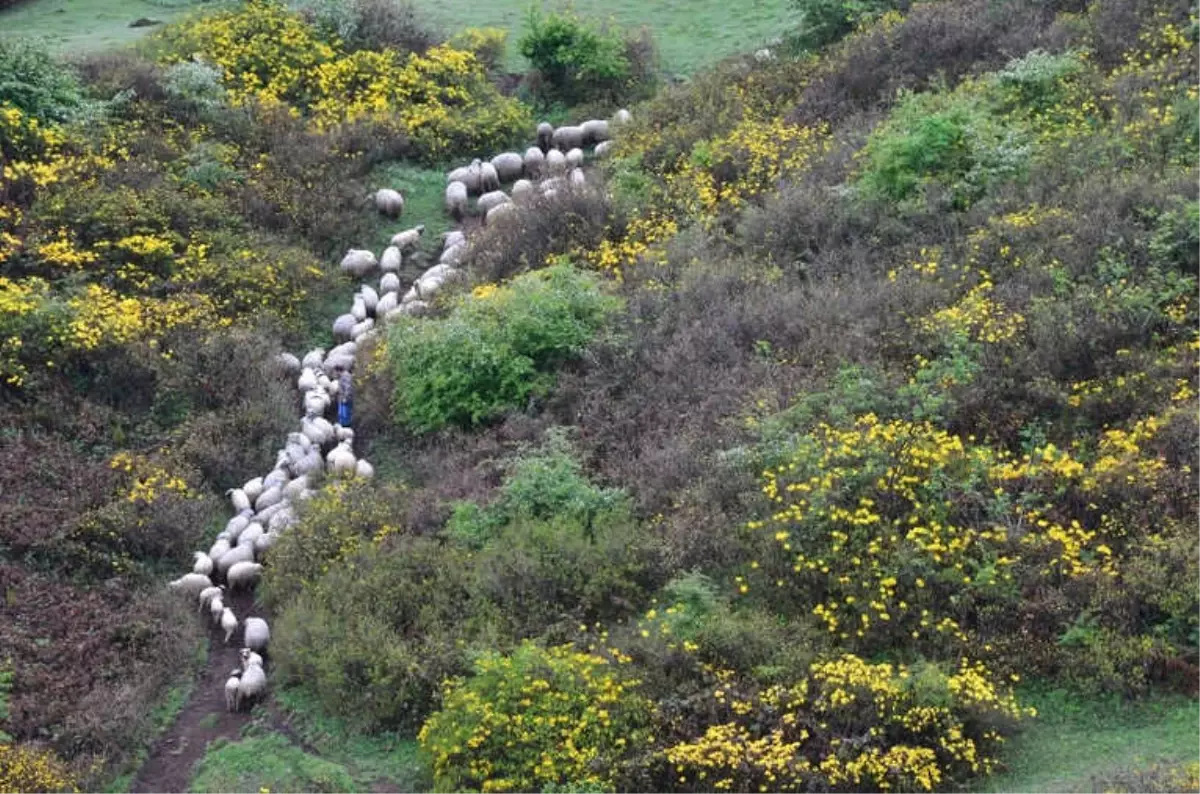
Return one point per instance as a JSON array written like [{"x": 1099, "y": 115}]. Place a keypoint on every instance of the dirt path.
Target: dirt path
[{"x": 203, "y": 718}]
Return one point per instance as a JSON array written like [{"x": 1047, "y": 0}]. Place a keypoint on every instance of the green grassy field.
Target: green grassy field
[
  {"x": 690, "y": 33},
  {"x": 74, "y": 26}
]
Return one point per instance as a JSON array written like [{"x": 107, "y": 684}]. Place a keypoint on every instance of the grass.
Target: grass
[
  {"x": 381, "y": 758},
  {"x": 79, "y": 26},
  {"x": 1075, "y": 744},
  {"x": 266, "y": 762}
]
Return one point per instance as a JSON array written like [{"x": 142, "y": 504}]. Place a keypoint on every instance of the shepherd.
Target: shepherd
[{"x": 345, "y": 396}]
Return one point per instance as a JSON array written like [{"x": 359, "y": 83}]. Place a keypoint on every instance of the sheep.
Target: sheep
[
  {"x": 556, "y": 162},
  {"x": 408, "y": 238},
  {"x": 253, "y": 488},
  {"x": 595, "y": 131},
  {"x": 469, "y": 175},
  {"x": 313, "y": 358},
  {"x": 239, "y": 499},
  {"x": 344, "y": 349},
  {"x": 491, "y": 199},
  {"x": 389, "y": 202},
  {"x": 389, "y": 283},
  {"x": 277, "y": 476},
  {"x": 535, "y": 161},
  {"x": 250, "y": 658},
  {"x": 208, "y": 594},
  {"x": 576, "y": 177},
  {"x": 456, "y": 200},
  {"x": 553, "y": 183},
  {"x": 417, "y": 308},
  {"x": 369, "y": 297},
  {"x": 310, "y": 465},
  {"x": 522, "y": 189},
  {"x": 269, "y": 497},
  {"x": 545, "y": 136},
  {"x": 497, "y": 212},
  {"x": 453, "y": 238},
  {"x": 574, "y": 158},
  {"x": 341, "y": 459},
  {"x": 387, "y": 303},
  {"x": 621, "y": 117},
  {"x": 358, "y": 262},
  {"x": 364, "y": 470},
  {"x": 508, "y": 165},
  {"x": 603, "y": 149},
  {"x": 489, "y": 178},
  {"x": 359, "y": 330},
  {"x": 264, "y": 518},
  {"x": 453, "y": 255},
  {"x": 264, "y": 543},
  {"x": 316, "y": 402},
  {"x": 243, "y": 574},
  {"x": 764, "y": 54},
  {"x": 191, "y": 584},
  {"x": 345, "y": 433},
  {"x": 567, "y": 138},
  {"x": 244, "y": 553},
  {"x": 286, "y": 517},
  {"x": 288, "y": 363},
  {"x": 342, "y": 326},
  {"x": 308, "y": 378},
  {"x": 251, "y": 534},
  {"x": 232, "y": 686},
  {"x": 251, "y": 686},
  {"x": 359, "y": 309},
  {"x": 229, "y": 623},
  {"x": 215, "y": 608},
  {"x": 256, "y": 634},
  {"x": 202, "y": 564},
  {"x": 221, "y": 546},
  {"x": 316, "y": 432}
]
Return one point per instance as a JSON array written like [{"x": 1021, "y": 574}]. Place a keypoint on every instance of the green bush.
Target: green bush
[
  {"x": 541, "y": 717},
  {"x": 494, "y": 351},
  {"x": 31, "y": 80},
  {"x": 823, "y": 22},
  {"x": 578, "y": 61}
]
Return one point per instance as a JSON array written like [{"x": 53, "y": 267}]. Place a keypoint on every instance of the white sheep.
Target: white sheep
[
  {"x": 235, "y": 555},
  {"x": 295, "y": 486},
  {"x": 497, "y": 212},
  {"x": 313, "y": 358},
  {"x": 545, "y": 136},
  {"x": 316, "y": 402},
  {"x": 469, "y": 175},
  {"x": 308, "y": 378},
  {"x": 191, "y": 584},
  {"x": 453, "y": 255},
  {"x": 364, "y": 470},
  {"x": 288, "y": 363},
  {"x": 263, "y": 544},
  {"x": 243, "y": 574},
  {"x": 232, "y": 685},
  {"x": 215, "y": 607},
  {"x": 239, "y": 499},
  {"x": 317, "y": 429},
  {"x": 256, "y": 634},
  {"x": 453, "y": 238},
  {"x": 391, "y": 259},
  {"x": 576, "y": 178},
  {"x": 341, "y": 459},
  {"x": 389, "y": 283},
  {"x": 603, "y": 149},
  {"x": 201, "y": 563},
  {"x": 389, "y": 202},
  {"x": 311, "y": 464},
  {"x": 491, "y": 199},
  {"x": 535, "y": 162},
  {"x": 556, "y": 162},
  {"x": 287, "y": 516},
  {"x": 253, "y": 488},
  {"x": 456, "y": 200},
  {"x": 359, "y": 309},
  {"x": 277, "y": 476},
  {"x": 249, "y": 535},
  {"x": 388, "y": 302},
  {"x": 416, "y": 308},
  {"x": 229, "y": 623},
  {"x": 358, "y": 262},
  {"x": 361, "y": 329},
  {"x": 522, "y": 189},
  {"x": 408, "y": 238},
  {"x": 345, "y": 433},
  {"x": 370, "y": 298},
  {"x": 250, "y": 658},
  {"x": 509, "y": 165},
  {"x": 594, "y": 131},
  {"x": 218, "y": 548},
  {"x": 343, "y": 325},
  {"x": 251, "y": 685},
  {"x": 489, "y": 179},
  {"x": 272, "y": 495},
  {"x": 567, "y": 138},
  {"x": 575, "y": 158},
  {"x": 621, "y": 117},
  {"x": 208, "y": 594}
]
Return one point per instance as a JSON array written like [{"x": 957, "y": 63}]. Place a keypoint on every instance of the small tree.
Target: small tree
[{"x": 578, "y": 61}]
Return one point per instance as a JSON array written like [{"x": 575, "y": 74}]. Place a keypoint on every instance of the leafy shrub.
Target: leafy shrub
[
  {"x": 823, "y": 22},
  {"x": 34, "y": 82},
  {"x": 370, "y": 24},
  {"x": 578, "y": 61},
  {"x": 196, "y": 82},
  {"x": 536, "y": 718},
  {"x": 487, "y": 44},
  {"x": 495, "y": 351}
]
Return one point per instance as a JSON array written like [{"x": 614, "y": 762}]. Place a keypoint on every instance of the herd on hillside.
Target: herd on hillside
[{"x": 266, "y": 506}]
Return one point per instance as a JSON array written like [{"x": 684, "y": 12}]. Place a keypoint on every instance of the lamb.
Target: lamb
[
  {"x": 239, "y": 499},
  {"x": 508, "y": 165},
  {"x": 389, "y": 283},
  {"x": 208, "y": 594},
  {"x": 389, "y": 202},
  {"x": 250, "y": 658},
  {"x": 244, "y": 574},
  {"x": 342, "y": 326},
  {"x": 545, "y": 136},
  {"x": 567, "y": 138},
  {"x": 232, "y": 686},
  {"x": 603, "y": 149},
  {"x": 491, "y": 199},
  {"x": 522, "y": 189},
  {"x": 408, "y": 238},
  {"x": 370, "y": 298},
  {"x": 256, "y": 634},
  {"x": 594, "y": 131},
  {"x": 288, "y": 363},
  {"x": 390, "y": 261},
  {"x": 364, "y": 470},
  {"x": 621, "y": 117},
  {"x": 202, "y": 563},
  {"x": 575, "y": 158},
  {"x": 313, "y": 358},
  {"x": 341, "y": 459},
  {"x": 358, "y": 262},
  {"x": 456, "y": 200},
  {"x": 229, "y": 623},
  {"x": 191, "y": 584},
  {"x": 535, "y": 161},
  {"x": 251, "y": 686},
  {"x": 556, "y": 162}
]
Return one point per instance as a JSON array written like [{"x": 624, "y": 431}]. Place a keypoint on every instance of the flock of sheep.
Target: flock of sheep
[{"x": 266, "y": 506}]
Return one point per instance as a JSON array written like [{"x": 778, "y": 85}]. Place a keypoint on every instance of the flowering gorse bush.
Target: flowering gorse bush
[{"x": 24, "y": 768}]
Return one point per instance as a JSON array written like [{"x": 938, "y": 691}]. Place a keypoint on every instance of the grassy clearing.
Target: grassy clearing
[
  {"x": 691, "y": 34},
  {"x": 384, "y": 759},
  {"x": 77, "y": 26},
  {"x": 266, "y": 762},
  {"x": 424, "y": 191},
  {"x": 1075, "y": 744}
]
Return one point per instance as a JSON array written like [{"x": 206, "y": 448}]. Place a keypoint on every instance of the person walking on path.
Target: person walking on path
[{"x": 345, "y": 396}]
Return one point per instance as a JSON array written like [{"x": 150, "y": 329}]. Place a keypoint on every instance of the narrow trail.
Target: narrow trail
[{"x": 203, "y": 718}]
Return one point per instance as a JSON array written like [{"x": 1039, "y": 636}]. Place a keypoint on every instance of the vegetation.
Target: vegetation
[{"x": 267, "y": 762}]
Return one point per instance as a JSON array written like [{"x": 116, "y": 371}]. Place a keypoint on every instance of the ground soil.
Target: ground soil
[{"x": 203, "y": 718}]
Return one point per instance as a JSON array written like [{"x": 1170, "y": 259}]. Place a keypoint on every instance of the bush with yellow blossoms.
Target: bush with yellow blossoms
[
  {"x": 24, "y": 768},
  {"x": 537, "y": 718}
]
